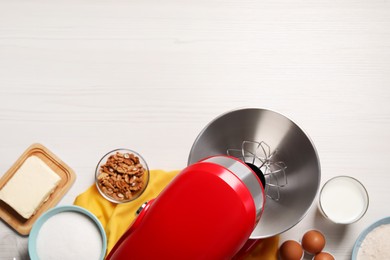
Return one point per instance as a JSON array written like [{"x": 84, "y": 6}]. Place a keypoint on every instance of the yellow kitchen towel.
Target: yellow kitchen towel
[{"x": 116, "y": 218}]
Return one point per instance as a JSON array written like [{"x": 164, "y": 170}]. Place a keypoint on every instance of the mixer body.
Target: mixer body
[
  {"x": 207, "y": 212},
  {"x": 212, "y": 209}
]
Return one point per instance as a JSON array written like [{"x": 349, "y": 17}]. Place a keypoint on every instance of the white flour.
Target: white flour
[
  {"x": 376, "y": 244},
  {"x": 69, "y": 235}
]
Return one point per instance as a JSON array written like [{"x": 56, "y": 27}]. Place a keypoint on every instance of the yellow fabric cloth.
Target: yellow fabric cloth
[{"x": 116, "y": 218}]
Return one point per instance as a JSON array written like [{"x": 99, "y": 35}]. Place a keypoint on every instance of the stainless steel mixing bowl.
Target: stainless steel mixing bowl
[{"x": 294, "y": 148}]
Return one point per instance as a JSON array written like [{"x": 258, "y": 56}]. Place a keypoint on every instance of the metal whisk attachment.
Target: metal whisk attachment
[{"x": 259, "y": 157}]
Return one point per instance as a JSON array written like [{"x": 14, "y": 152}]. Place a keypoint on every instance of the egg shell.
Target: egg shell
[
  {"x": 323, "y": 256},
  {"x": 290, "y": 250},
  {"x": 313, "y": 242}
]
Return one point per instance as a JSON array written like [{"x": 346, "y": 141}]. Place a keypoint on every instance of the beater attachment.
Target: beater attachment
[{"x": 258, "y": 156}]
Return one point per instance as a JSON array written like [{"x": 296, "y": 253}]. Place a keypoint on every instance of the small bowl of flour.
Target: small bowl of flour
[
  {"x": 373, "y": 243},
  {"x": 67, "y": 233}
]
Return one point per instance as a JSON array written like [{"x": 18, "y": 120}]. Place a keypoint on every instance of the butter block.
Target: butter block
[{"x": 30, "y": 186}]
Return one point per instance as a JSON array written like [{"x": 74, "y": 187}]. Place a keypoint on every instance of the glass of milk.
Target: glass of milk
[{"x": 343, "y": 200}]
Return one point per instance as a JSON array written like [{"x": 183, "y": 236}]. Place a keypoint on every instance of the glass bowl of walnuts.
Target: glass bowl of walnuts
[{"x": 122, "y": 175}]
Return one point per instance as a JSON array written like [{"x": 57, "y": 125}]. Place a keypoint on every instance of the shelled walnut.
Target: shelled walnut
[{"x": 121, "y": 176}]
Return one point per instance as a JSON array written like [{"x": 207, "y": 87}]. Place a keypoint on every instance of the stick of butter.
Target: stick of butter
[{"x": 29, "y": 187}]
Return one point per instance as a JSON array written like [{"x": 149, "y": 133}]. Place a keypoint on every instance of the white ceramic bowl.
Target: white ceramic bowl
[{"x": 64, "y": 223}]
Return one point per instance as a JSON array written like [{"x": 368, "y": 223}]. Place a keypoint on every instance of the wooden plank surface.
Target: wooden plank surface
[{"x": 86, "y": 77}]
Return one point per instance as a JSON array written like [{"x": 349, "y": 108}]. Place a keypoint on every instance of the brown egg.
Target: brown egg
[
  {"x": 313, "y": 242},
  {"x": 323, "y": 256},
  {"x": 290, "y": 250}
]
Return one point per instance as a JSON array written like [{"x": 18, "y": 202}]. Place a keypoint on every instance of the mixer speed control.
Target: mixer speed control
[{"x": 141, "y": 208}]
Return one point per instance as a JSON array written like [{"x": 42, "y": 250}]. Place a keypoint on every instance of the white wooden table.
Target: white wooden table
[{"x": 85, "y": 77}]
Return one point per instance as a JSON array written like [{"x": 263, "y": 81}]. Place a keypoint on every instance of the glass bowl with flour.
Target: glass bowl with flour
[{"x": 67, "y": 233}]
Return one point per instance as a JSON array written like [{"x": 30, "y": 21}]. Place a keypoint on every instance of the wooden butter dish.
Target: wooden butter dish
[{"x": 67, "y": 175}]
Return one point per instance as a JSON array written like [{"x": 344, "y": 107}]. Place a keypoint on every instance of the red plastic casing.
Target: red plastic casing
[{"x": 206, "y": 212}]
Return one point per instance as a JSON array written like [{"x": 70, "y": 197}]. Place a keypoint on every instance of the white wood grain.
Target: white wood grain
[{"x": 84, "y": 77}]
